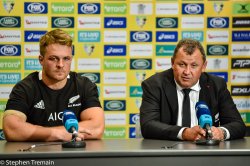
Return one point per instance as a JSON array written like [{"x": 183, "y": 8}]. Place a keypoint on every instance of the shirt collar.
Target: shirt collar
[
  {"x": 196, "y": 87},
  {"x": 40, "y": 75}
]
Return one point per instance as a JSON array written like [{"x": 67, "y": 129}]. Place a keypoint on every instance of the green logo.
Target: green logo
[
  {"x": 115, "y": 132},
  {"x": 10, "y": 64},
  {"x": 2, "y": 105},
  {"x": 165, "y": 50},
  {"x": 62, "y": 8},
  {"x": 241, "y": 8},
  {"x": 135, "y": 91},
  {"x": 115, "y": 64},
  {"x": 115, "y": 8}
]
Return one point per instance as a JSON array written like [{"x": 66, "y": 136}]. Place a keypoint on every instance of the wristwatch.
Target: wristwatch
[{"x": 224, "y": 133}]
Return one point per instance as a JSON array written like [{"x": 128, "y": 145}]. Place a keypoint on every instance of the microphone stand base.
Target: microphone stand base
[
  {"x": 74, "y": 144},
  {"x": 211, "y": 142}
]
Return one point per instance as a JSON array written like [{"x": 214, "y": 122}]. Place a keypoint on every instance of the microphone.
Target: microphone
[
  {"x": 205, "y": 121},
  {"x": 70, "y": 122}
]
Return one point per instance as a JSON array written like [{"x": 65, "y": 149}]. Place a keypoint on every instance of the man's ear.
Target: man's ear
[{"x": 40, "y": 58}]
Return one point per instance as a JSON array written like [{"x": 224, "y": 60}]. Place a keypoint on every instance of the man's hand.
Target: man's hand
[
  {"x": 194, "y": 133},
  {"x": 217, "y": 133}
]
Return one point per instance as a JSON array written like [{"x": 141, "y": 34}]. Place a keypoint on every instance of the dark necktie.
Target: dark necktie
[{"x": 186, "y": 116}]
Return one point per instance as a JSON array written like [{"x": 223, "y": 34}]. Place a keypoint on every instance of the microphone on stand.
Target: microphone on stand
[
  {"x": 205, "y": 121},
  {"x": 71, "y": 124}
]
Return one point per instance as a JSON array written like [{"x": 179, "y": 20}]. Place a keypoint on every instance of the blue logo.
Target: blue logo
[
  {"x": 35, "y": 8},
  {"x": 132, "y": 132},
  {"x": 32, "y": 64},
  {"x": 193, "y": 8},
  {"x": 115, "y": 50},
  {"x": 133, "y": 118},
  {"x": 10, "y": 22},
  {"x": 166, "y": 36},
  {"x": 220, "y": 74},
  {"x": 33, "y": 36},
  {"x": 241, "y": 36},
  {"x": 89, "y": 36},
  {"x": 115, "y": 22},
  {"x": 140, "y": 36},
  {"x": 9, "y": 78},
  {"x": 10, "y": 50},
  {"x": 140, "y": 64},
  {"x": 114, "y": 105},
  {"x": 197, "y": 35},
  {"x": 89, "y": 8},
  {"x": 217, "y": 22},
  {"x": 62, "y": 22}
]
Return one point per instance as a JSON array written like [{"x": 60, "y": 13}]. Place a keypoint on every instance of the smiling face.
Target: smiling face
[{"x": 188, "y": 68}]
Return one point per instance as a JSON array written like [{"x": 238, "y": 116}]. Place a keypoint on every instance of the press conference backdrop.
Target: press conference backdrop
[{"x": 119, "y": 43}]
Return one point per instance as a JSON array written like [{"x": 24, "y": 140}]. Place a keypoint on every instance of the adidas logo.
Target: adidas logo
[{"x": 40, "y": 105}]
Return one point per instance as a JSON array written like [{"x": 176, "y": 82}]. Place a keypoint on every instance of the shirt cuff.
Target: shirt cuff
[
  {"x": 228, "y": 134},
  {"x": 179, "y": 136}
]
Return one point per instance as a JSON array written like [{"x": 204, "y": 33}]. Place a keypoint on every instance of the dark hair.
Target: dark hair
[
  {"x": 56, "y": 36},
  {"x": 189, "y": 46}
]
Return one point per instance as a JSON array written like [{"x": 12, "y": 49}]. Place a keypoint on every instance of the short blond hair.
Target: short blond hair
[{"x": 56, "y": 36}]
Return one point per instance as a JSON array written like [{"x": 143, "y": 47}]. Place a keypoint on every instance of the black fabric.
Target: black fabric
[
  {"x": 186, "y": 115},
  {"x": 44, "y": 106}
]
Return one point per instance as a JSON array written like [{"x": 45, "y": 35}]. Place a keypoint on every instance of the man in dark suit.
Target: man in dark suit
[{"x": 161, "y": 112}]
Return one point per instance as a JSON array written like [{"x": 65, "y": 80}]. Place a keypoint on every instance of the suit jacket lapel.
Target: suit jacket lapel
[{"x": 205, "y": 90}]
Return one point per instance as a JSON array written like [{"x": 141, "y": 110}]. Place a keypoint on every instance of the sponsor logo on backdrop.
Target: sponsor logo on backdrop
[
  {"x": 115, "y": 64},
  {"x": 166, "y": 36},
  {"x": 8, "y": 5},
  {"x": 138, "y": 102},
  {"x": 197, "y": 35},
  {"x": 35, "y": 22},
  {"x": 167, "y": 9},
  {"x": 218, "y": 22},
  {"x": 89, "y": 8},
  {"x": 115, "y": 8},
  {"x": 10, "y": 64},
  {"x": 141, "y": 21},
  {"x": 89, "y": 22},
  {"x": 10, "y": 36},
  {"x": 242, "y": 104},
  {"x": 165, "y": 50},
  {"x": 217, "y": 63},
  {"x": 193, "y": 8},
  {"x": 89, "y": 36},
  {"x": 217, "y": 49},
  {"x": 62, "y": 22},
  {"x": 218, "y": 7},
  {"x": 240, "y": 63},
  {"x": 10, "y": 22},
  {"x": 32, "y": 64},
  {"x": 240, "y": 49},
  {"x": 10, "y": 50},
  {"x": 115, "y": 22},
  {"x": 9, "y": 78},
  {"x": 243, "y": 90},
  {"x": 2, "y": 137},
  {"x": 115, "y": 36},
  {"x": 114, "y": 50},
  {"x": 93, "y": 77},
  {"x": 35, "y": 8},
  {"x": 89, "y": 64},
  {"x": 141, "y": 9},
  {"x": 115, "y": 132},
  {"x": 114, "y": 91},
  {"x": 241, "y": 8},
  {"x": 166, "y": 22},
  {"x": 132, "y": 132},
  {"x": 88, "y": 48},
  {"x": 220, "y": 74},
  {"x": 133, "y": 118},
  {"x": 114, "y": 105},
  {"x": 162, "y": 64},
  {"x": 115, "y": 119},
  {"x": 240, "y": 77},
  {"x": 114, "y": 77},
  {"x": 140, "y": 64},
  {"x": 217, "y": 36},
  {"x": 140, "y": 50},
  {"x": 33, "y": 36},
  {"x": 135, "y": 91},
  {"x": 241, "y": 22},
  {"x": 192, "y": 22},
  {"x": 140, "y": 76},
  {"x": 2, "y": 105},
  {"x": 62, "y": 8},
  {"x": 141, "y": 36},
  {"x": 5, "y": 92},
  {"x": 241, "y": 36}
]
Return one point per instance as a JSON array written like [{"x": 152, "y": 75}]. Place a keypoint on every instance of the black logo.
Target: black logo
[
  {"x": 240, "y": 90},
  {"x": 241, "y": 22},
  {"x": 240, "y": 63}
]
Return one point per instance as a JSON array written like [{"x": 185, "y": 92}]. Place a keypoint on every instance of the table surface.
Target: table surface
[{"x": 125, "y": 148}]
